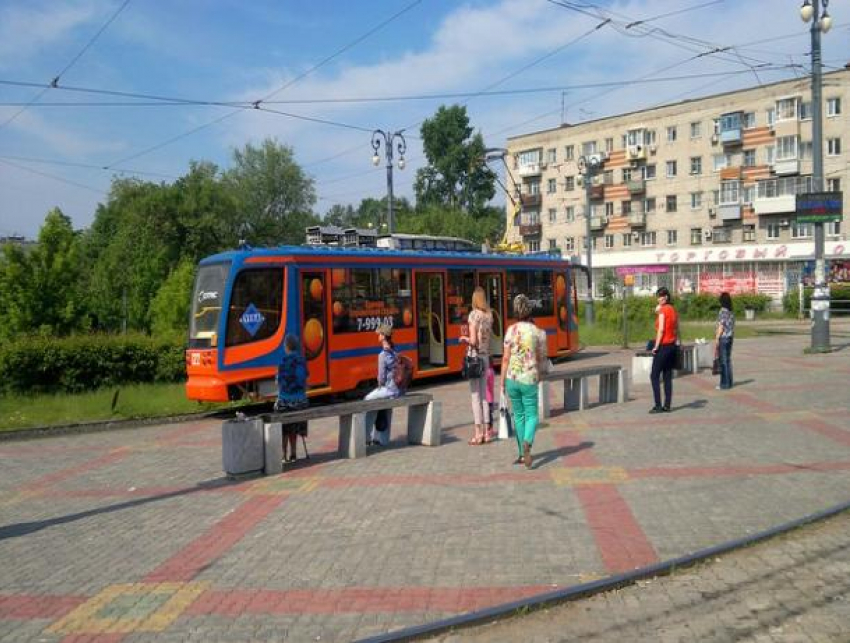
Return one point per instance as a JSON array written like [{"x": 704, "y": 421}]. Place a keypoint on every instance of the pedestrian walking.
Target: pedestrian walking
[
  {"x": 387, "y": 387},
  {"x": 664, "y": 350},
  {"x": 480, "y": 323},
  {"x": 723, "y": 340},
  {"x": 522, "y": 360}
]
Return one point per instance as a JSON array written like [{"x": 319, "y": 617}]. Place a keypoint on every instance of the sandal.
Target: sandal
[
  {"x": 478, "y": 440},
  {"x": 519, "y": 460},
  {"x": 526, "y": 452}
]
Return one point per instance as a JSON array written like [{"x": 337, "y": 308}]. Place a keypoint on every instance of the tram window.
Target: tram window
[
  {"x": 460, "y": 288},
  {"x": 256, "y": 305},
  {"x": 537, "y": 286},
  {"x": 364, "y": 298}
]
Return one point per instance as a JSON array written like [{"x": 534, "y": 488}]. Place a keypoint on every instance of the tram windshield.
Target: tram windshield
[{"x": 206, "y": 304}]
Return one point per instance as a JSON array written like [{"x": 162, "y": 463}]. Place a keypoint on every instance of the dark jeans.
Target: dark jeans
[
  {"x": 725, "y": 354},
  {"x": 662, "y": 365}
]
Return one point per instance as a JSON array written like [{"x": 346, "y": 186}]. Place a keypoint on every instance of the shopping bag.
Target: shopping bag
[
  {"x": 506, "y": 423},
  {"x": 715, "y": 366}
]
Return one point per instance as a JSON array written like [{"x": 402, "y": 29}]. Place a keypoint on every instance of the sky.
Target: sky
[{"x": 328, "y": 73}]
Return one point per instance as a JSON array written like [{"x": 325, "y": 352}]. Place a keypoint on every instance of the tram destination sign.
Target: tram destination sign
[{"x": 819, "y": 207}]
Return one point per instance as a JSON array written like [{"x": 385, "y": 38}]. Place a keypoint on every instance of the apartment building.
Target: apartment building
[{"x": 699, "y": 195}]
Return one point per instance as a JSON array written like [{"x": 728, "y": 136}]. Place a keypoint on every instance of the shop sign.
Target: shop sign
[
  {"x": 819, "y": 207},
  {"x": 640, "y": 270}
]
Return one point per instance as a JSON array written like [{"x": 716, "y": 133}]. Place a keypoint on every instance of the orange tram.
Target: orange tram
[{"x": 333, "y": 299}]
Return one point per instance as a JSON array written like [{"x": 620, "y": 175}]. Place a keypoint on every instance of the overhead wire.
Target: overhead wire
[
  {"x": 55, "y": 82},
  {"x": 53, "y": 176}
]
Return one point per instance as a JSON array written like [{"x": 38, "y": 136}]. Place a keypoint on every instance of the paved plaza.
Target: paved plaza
[{"x": 136, "y": 535}]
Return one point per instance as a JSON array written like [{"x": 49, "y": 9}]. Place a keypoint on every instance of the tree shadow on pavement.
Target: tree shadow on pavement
[{"x": 26, "y": 528}]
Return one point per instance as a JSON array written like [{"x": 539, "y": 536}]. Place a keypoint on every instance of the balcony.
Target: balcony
[
  {"x": 730, "y": 129},
  {"x": 779, "y": 196},
  {"x": 597, "y": 223},
  {"x": 530, "y": 200},
  {"x": 597, "y": 191},
  {"x": 636, "y": 186},
  {"x": 729, "y": 211},
  {"x": 637, "y": 219},
  {"x": 784, "y": 167},
  {"x": 531, "y": 229},
  {"x": 636, "y": 153},
  {"x": 531, "y": 169}
]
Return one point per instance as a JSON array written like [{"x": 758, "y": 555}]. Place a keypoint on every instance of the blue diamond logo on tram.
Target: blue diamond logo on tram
[{"x": 252, "y": 319}]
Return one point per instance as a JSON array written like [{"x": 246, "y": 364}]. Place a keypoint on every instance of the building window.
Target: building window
[
  {"x": 696, "y": 200},
  {"x": 608, "y": 177},
  {"x": 647, "y": 238},
  {"x": 832, "y": 228},
  {"x": 696, "y": 129},
  {"x": 672, "y": 236},
  {"x": 786, "y": 109},
  {"x": 553, "y": 215},
  {"x": 649, "y": 204},
  {"x": 721, "y": 161},
  {"x": 806, "y": 150},
  {"x": 533, "y": 245},
  {"x": 671, "y": 134},
  {"x": 749, "y": 233},
  {"x": 627, "y": 174},
  {"x": 627, "y": 239},
  {"x": 553, "y": 244},
  {"x": 551, "y": 186},
  {"x": 625, "y": 207},
  {"x": 609, "y": 241},
  {"x": 806, "y": 111},
  {"x": 696, "y": 165},
  {"x": 770, "y": 114},
  {"x": 730, "y": 192},
  {"x": 671, "y": 169},
  {"x": 529, "y": 158},
  {"x": 609, "y": 209},
  {"x": 833, "y": 146},
  {"x": 569, "y": 152},
  {"x": 533, "y": 187},
  {"x": 833, "y": 106},
  {"x": 715, "y": 197},
  {"x": 671, "y": 202},
  {"x": 748, "y": 120},
  {"x": 570, "y": 244},
  {"x": 552, "y": 155},
  {"x": 749, "y": 158},
  {"x": 609, "y": 144},
  {"x": 747, "y": 194},
  {"x": 696, "y": 236},
  {"x": 801, "y": 230},
  {"x": 770, "y": 154},
  {"x": 648, "y": 172},
  {"x": 570, "y": 183},
  {"x": 772, "y": 230},
  {"x": 571, "y": 213},
  {"x": 588, "y": 147},
  {"x": 833, "y": 185}
]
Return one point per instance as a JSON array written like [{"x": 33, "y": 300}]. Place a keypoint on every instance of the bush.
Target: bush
[
  {"x": 87, "y": 362},
  {"x": 840, "y": 293}
]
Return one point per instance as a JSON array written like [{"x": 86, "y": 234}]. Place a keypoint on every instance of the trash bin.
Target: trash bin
[
  {"x": 242, "y": 449},
  {"x": 749, "y": 314},
  {"x": 705, "y": 353}
]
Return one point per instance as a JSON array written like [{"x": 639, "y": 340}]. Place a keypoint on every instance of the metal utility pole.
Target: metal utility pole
[{"x": 589, "y": 166}]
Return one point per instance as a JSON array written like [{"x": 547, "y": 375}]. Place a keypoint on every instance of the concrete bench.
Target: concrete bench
[
  {"x": 256, "y": 444},
  {"x": 613, "y": 386},
  {"x": 642, "y": 364}
]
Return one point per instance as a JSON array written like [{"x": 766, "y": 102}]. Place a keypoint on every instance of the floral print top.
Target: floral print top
[
  {"x": 523, "y": 340},
  {"x": 726, "y": 320},
  {"x": 484, "y": 323}
]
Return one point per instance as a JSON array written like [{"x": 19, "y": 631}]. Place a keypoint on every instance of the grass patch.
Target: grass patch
[
  {"x": 604, "y": 335},
  {"x": 133, "y": 401}
]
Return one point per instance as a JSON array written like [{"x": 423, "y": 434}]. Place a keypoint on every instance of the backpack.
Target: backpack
[{"x": 403, "y": 372}]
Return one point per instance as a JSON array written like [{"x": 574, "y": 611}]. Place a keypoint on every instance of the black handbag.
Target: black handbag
[
  {"x": 715, "y": 366},
  {"x": 679, "y": 359},
  {"x": 473, "y": 367}
]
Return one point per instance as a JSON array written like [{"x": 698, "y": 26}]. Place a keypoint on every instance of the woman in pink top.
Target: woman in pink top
[{"x": 480, "y": 329}]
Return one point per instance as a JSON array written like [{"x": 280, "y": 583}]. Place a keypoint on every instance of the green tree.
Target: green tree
[
  {"x": 455, "y": 177},
  {"x": 170, "y": 307},
  {"x": 39, "y": 289},
  {"x": 275, "y": 197}
]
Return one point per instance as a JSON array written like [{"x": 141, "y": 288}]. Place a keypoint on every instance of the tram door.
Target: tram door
[
  {"x": 314, "y": 333},
  {"x": 431, "y": 319},
  {"x": 492, "y": 284},
  {"x": 563, "y": 308}
]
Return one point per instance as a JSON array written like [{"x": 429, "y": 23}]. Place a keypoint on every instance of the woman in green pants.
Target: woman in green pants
[{"x": 525, "y": 353}]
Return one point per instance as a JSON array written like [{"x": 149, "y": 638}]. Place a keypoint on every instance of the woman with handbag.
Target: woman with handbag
[
  {"x": 664, "y": 350},
  {"x": 480, "y": 324},
  {"x": 522, "y": 362},
  {"x": 723, "y": 340}
]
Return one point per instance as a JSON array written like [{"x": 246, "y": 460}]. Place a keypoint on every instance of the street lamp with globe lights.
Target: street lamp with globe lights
[
  {"x": 821, "y": 23},
  {"x": 589, "y": 165},
  {"x": 380, "y": 136}
]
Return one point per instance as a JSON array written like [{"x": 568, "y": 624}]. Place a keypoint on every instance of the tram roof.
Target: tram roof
[{"x": 333, "y": 252}]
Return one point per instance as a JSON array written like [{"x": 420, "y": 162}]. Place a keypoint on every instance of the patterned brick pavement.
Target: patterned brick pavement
[{"x": 135, "y": 535}]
